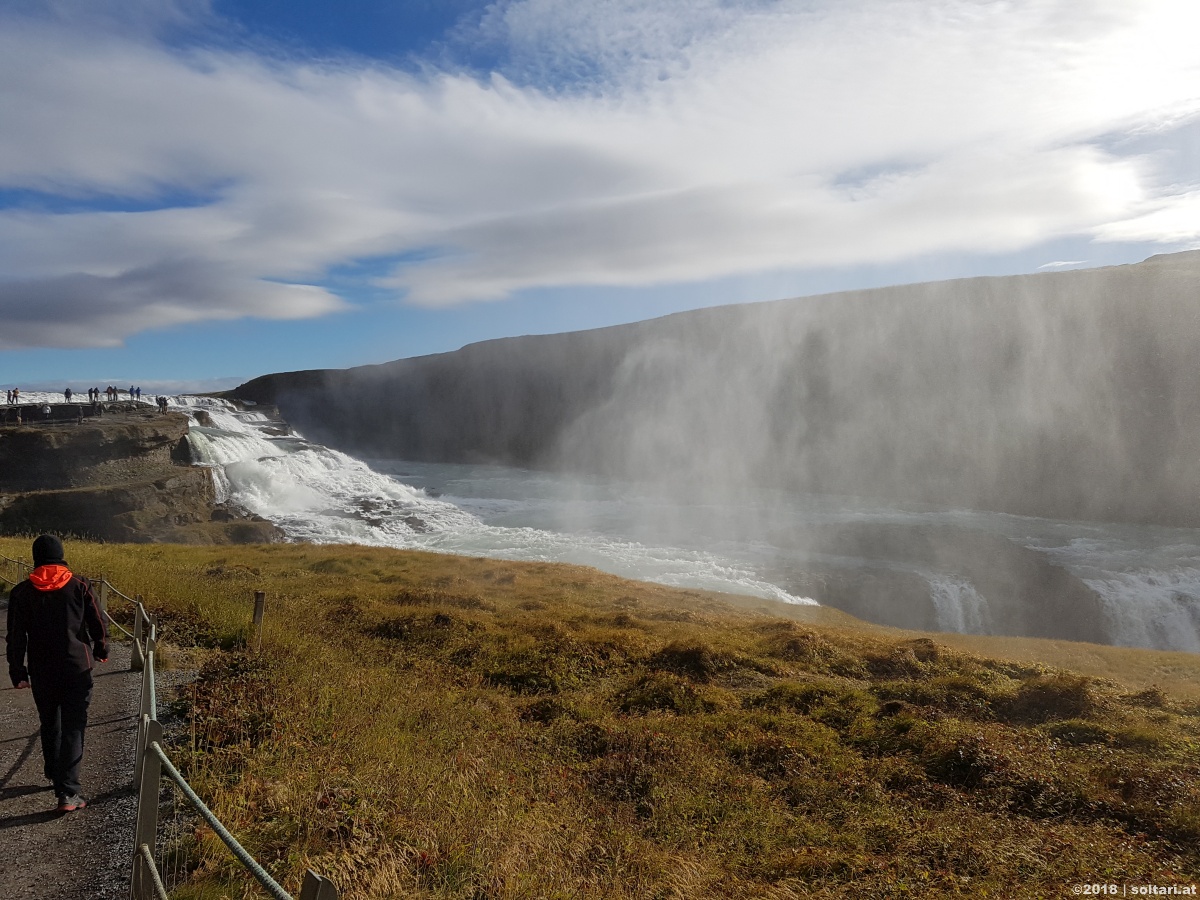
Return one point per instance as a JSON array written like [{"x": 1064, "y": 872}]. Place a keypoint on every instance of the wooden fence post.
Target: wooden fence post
[
  {"x": 260, "y": 606},
  {"x": 317, "y": 888}
]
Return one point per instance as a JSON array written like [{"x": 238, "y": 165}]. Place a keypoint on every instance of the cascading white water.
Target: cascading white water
[
  {"x": 317, "y": 494},
  {"x": 1148, "y": 581},
  {"x": 959, "y": 606}
]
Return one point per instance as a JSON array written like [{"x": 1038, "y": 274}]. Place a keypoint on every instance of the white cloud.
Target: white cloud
[
  {"x": 1173, "y": 219},
  {"x": 83, "y": 310},
  {"x": 692, "y": 141}
]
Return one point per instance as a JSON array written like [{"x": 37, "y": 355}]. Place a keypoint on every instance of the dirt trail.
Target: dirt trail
[{"x": 45, "y": 855}]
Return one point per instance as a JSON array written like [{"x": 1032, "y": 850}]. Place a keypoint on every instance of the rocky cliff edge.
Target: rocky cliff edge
[{"x": 123, "y": 476}]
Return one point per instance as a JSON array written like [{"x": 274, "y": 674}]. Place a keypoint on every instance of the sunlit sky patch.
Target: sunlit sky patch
[{"x": 193, "y": 192}]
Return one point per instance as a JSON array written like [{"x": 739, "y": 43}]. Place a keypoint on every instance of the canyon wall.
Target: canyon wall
[{"x": 1070, "y": 395}]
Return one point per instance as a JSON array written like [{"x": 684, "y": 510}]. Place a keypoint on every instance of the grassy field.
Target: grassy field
[{"x": 418, "y": 725}]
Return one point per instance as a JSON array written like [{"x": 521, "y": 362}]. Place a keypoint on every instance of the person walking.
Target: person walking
[{"x": 55, "y": 621}]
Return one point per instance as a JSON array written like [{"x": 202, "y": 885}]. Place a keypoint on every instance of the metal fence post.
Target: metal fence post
[
  {"x": 103, "y": 595},
  {"x": 145, "y": 714},
  {"x": 136, "y": 660},
  {"x": 260, "y": 606},
  {"x": 147, "y": 812},
  {"x": 317, "y": 888}
]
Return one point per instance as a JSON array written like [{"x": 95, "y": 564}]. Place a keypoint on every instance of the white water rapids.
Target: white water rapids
[{"x": 317, "y": 494}]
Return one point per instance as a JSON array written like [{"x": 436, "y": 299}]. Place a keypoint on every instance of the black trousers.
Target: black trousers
[{"x": 62, "y": 705}]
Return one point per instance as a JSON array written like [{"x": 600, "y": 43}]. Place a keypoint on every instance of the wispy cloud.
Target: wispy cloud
[{"x": 617, "y": 143}]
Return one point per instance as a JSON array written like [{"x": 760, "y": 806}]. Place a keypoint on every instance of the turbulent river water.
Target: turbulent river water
[{"x": 1148, "y": 578}]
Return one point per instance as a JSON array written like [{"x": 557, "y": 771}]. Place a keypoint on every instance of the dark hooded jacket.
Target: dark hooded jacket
[{"x": 53, "y": 617}]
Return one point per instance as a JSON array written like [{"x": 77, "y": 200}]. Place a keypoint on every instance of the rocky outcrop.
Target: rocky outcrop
[
  {"x": 115, "y": 448},
  {"x": 124, "y": 476}
]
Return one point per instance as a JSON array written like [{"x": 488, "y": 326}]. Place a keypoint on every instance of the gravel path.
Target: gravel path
[{"x": 86, "y": 855}]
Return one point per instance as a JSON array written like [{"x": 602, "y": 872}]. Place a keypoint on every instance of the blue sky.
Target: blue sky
[{"x": 193, "y": 193}]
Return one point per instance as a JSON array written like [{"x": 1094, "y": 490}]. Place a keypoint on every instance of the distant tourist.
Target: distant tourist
[
  {"x": 139, "y": 393},
  {"x": 162, "y": 403},
  {"x": 16, "y": 395},
  {"x": 67, "y": 394},
  {"x": 47, "y": 410},
  {"x": 54, "y": 620},
  {"x": 9, "y": 400}
]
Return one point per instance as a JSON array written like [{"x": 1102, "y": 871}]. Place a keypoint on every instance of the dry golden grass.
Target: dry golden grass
[{"x": 419, "y": 725}]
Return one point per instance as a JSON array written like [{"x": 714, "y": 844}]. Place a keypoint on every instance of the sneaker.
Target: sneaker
[{"x": 70, "y": 804}]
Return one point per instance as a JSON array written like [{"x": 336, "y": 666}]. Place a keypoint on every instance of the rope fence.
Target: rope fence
[{"x": 151, "y": 763}]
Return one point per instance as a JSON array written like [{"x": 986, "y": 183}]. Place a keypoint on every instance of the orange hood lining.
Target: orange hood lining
[{"x": 50, "y": 577}]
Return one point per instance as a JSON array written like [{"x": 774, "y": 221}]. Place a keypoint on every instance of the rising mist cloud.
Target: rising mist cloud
[{"x": 615, "y": 143}]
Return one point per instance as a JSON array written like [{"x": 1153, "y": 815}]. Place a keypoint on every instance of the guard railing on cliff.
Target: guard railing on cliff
[{"x": 152, "y": 763}]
